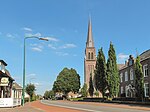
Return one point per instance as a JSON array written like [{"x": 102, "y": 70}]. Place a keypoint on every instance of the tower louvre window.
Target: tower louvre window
[
  {"x": 89, "y": 55},
  {"x": 92, "y": 55}
]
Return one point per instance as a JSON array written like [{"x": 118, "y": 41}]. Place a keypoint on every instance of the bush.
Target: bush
[
  {"x": 76, "y": 99},
  {"x": 94, "y": 99}
]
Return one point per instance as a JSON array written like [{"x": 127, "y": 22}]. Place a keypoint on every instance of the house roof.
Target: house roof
[
  {"x": 120, "y": 66},
  {"x": 145, "y": 55},
  {"x": 2, "y": 61},
  {"x": 16, "y": 86}
]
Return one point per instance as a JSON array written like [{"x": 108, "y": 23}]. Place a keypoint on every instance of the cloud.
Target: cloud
[
  {"x": 37, "y": 49},
  {"x": 31, "y": 75},
  {"x": 10, "y": 35},
  {"x": 52, "y": 39},
  {"x": 62, "y": 54},
  {"x": 37, "y": 84},
  {"x": 74, "y": 55},
  {"x": 37, "y": 45},
  {"x": 27, "y": 29},
  {"x": 17, "y": 77},
  {"x": 33, "y": 35},
  {"x": 68, "y": 46},
  {"x": 51, "y": 46},
  {"x": 122, "y": 57}
]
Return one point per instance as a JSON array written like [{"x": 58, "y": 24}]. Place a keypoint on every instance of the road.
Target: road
[{"x": 96, "y": 107}]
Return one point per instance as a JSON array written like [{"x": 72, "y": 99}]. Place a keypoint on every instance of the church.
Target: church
[{"x": 90, "y": 56}]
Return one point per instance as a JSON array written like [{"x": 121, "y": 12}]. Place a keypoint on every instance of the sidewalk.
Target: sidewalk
[{"x": 26, "y": 108}]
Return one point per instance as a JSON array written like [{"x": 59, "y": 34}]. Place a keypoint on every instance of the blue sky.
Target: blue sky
[{"x": 124, "y": 22}]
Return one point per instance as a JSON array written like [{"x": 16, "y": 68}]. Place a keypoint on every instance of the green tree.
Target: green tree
[
  {"x": 67, "y": 81},
  {"x": 30, "y": 89},
  {"x": 139, "y": 79},
  {"x": 96, "y": 93},
  {"x": 51, "y": 94},
  {"x": 100, "y": 73},
  {"x": 91, "y": 88},
  {"x": 112, "y": 72},
  {"x": 46, "y": 95},
  {"x": 84, "y": 90}
]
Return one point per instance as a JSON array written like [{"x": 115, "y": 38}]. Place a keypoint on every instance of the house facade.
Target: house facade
[
  {"x": 10, "y": 92},
  {"x": 127, "y": 76}
]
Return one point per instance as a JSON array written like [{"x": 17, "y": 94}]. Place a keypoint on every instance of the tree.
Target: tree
[
  {"x": 139, "y": 79},
  {"x": 112, "y": 73},
  {"x": 30, "y": 89},
  {"x": 100, "y": 73},
  {"x": 91, "y": 88},
  {"x": 46, "y": 95},
  {"x": 67, "y": 81},
  {"x": 84, "y": 90},
  {"x": 96, "y": 93},
  {"x": 51, "y": 94}
]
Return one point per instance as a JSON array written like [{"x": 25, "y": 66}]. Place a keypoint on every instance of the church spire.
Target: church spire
[{"x": 90, "y": 41}]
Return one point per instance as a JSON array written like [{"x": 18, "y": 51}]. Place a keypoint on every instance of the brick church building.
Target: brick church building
[
  {"x": 126, "y": 71},
  {"x": 90, "y": 56}
]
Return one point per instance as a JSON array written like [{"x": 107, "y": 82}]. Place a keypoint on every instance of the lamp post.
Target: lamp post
[{"x": 23, "y": 92}]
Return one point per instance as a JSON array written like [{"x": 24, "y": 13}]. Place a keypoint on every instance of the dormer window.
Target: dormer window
[
  {"x": 2, "y": 65},
  {"x": 130, "y": 62}
]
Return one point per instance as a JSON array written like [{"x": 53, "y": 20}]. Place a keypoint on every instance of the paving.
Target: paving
[
  {"x": 26, "y": 108},
  {"x": 37, "y": 106}
]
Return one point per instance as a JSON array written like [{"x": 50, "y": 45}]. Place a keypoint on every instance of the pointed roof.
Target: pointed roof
[{"x": 90, "y": 41}]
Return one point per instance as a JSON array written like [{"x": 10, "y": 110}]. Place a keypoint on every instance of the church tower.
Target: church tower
[{"x": 90, "y": 55}]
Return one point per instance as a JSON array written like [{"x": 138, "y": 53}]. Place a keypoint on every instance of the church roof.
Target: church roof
[{"x": 90, "y": 41}]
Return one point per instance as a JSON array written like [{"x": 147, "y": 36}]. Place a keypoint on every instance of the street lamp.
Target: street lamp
[{"x": 23, "y": 92}]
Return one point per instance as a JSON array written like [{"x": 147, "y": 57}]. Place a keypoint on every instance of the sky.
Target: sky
[{"x": 65, "y": 23}]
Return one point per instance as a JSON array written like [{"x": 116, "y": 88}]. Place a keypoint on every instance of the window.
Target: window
[
  {"x": 127, "y": 91},
  {"x": 126, "y": 76},
  {"x": 121, "y": 77},
  {"x": 131, "y": 74},
  {"x": 146, "y": 89},
  {"x": 2, "y": 67},
  {"x": 121, "y": 90},
  {"x": 145, "y": 70},
  {"x": 89, "y": 55}
]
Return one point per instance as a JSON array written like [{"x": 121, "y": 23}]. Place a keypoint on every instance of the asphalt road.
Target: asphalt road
[{"x": 91, "y": 108}]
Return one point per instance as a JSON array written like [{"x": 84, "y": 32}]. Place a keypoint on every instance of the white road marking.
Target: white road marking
[{"x": 70, "y": 107}]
